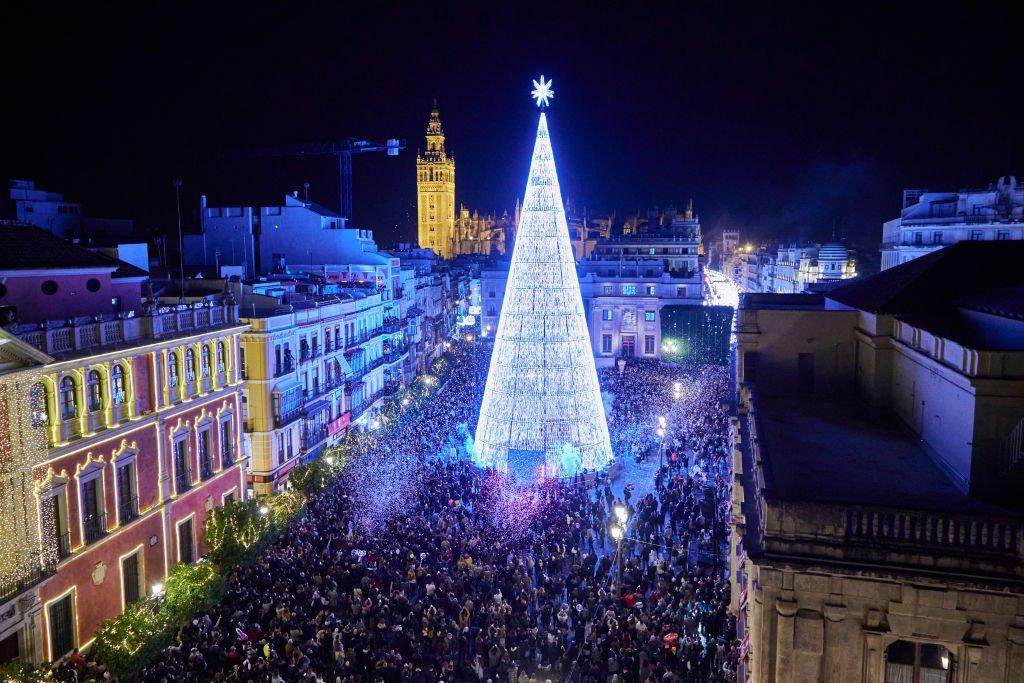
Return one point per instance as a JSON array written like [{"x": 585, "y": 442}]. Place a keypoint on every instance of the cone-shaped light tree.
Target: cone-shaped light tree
[{"x": 542, "y": 401}]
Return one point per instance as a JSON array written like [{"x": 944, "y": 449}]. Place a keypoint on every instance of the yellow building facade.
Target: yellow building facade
[{"x": 435, "y": 192}]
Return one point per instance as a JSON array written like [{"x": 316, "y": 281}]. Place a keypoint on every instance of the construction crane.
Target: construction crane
[{"x": 342, "y": 149}]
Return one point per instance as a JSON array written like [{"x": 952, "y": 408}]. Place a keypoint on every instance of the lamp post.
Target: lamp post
[
  {"x": 618, "y": 532},
  {"x": 660, "y": 431}
]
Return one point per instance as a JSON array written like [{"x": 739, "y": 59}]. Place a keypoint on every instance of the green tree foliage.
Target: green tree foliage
[
  {"x": 22, "y": 672},
  {"x": 235, "y": 530}
]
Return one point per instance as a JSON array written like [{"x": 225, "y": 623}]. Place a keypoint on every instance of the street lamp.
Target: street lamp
[
  {"x": 618, "y": 532},
  {"x": 264, "y": 510},
  {"x": 621, "y": 514}
]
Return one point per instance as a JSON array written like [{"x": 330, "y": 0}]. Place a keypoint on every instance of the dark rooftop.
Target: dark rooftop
[
  {"x": 26, "y": 247},
  {"x": 930, "y": 283},
  {"x": 1006, "y": 302},
  {"x": 825, "y": 451},
  {"x": 125, "y": 269}
]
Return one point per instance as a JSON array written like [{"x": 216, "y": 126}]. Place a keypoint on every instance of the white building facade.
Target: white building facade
[
  {"x": 933, "y": 220},
  {"x": 624, "y": 284}
]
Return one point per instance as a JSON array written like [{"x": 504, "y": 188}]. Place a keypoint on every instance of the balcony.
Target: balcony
[
  {"x": 128, "y": 509},
  {"x": 95, "y": 527},
  {"x": 284, "y": 368},
  {"x": 365, "y": 402},
  {"x": 393, "y": 325},
  {"x": 313, "y": 438},
  {"x": 287, "y": 417},
  {"x": 63, "y": 545},
  {"x": 205, "y": 467},
  {"x": 353, "y": 342},
  {"x": 58, "y": 337},
  {"x": 16, "y": 586},
  {"x": 395, "y": 354},
  {"x": 227, "y": 455},
  {"x": 183, "y": 480}
]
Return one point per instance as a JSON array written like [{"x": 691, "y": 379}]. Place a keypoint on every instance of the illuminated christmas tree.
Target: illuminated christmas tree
[{"x": 542, "y": 403}]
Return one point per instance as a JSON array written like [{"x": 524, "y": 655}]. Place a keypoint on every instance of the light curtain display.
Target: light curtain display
[{"x": 542, "y": 395}]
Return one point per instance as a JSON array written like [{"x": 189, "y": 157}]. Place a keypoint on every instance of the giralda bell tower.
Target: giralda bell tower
[{"x": 435, "y": 191}]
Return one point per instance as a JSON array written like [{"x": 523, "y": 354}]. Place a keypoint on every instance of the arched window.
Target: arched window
[
  {"x": 68, "y": 399},
  {"x": 910, "y": 662},
  {"x": 172, "y": 368},
  {"x": 117, "y": 383},
  {"x": 205, "y": 360},
  {"x": 220, "y": 356},
  {"x": 190, "y": 365},
  {"x": 94, "y": 384}
]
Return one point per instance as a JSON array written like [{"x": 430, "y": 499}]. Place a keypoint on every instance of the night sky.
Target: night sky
[{"x": 778, "y": 123}]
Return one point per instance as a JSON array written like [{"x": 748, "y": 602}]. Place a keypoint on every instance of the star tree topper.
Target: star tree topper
[{"x": 542, "y": 92}]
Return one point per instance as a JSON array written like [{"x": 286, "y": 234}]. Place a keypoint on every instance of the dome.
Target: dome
[{"x": 833, "y": 251}]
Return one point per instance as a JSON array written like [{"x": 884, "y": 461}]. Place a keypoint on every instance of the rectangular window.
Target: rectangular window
[
  {"x": 606, "y": 343},
  {"x": 628, "y": 290},
  {"x": 1003, "y": 235},
  {"x": 680, "y": 290},
  {"x": 186, "y": 543},
  {"x": 281, "y": 454},
  {"x": 976, "y": 235},
  {"x": 62, "y": 626},
  {"x": 651, "y": 290},
  {"x": 131, "y": 578},
  {"x": 127, "y": 495},
  {"x": 607, "y": 314},
  {"x": 291, "y": 449},
  {"x": 182, "y": 468},
  {"x": 649, "y": 344},
  {"x": 650, "y": 251},
  {"x": 649, "y": 316},
  {"x": 606, "y": 290},
  {"x": 918, "y": 238},
  {"x": 94, "y": 520},
  {"x": 205, "y": 455},
  {"x": 229, "y": 497},
  {"x": 58, "y": 505},
  {"x": 936, "y": 237},
  {"x": 241, "y": 361},
  {"x": 227, "y": 444}
]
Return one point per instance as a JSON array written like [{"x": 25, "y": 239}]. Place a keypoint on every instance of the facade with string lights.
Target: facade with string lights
[{"x": 133, "y": 423}]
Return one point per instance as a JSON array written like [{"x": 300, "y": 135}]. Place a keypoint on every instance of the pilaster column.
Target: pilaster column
[{"x": 784, "y": 655}]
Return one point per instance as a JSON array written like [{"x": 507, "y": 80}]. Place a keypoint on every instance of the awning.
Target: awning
[
  {"x": 286, "y": 386},
  {"x": 316, "y": 406}
]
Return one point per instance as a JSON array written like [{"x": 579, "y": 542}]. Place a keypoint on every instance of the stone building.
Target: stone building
[
  {"x": 878, "y": 517},
  {"x": 133, "y": 436},
  {"x": 435, "y": 192},
  {"x": 439, "y": 226},
  {"x": 932, "y": 220}
]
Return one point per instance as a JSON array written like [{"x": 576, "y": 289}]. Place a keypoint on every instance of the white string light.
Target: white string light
[{"x": 542, "y": 393}]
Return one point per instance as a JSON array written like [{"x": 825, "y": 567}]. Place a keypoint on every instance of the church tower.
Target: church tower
[{"x": 435, "y": 192}]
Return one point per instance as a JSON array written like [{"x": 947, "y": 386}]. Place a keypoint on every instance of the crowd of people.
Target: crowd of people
[{"x": 416, "y": 566}]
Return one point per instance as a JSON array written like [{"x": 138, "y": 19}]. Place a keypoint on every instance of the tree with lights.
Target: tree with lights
[{"x": 542, "y": 396}]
